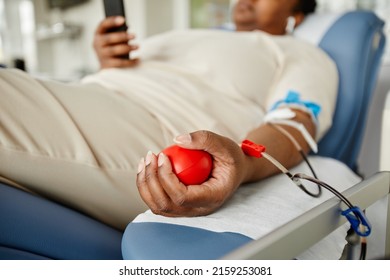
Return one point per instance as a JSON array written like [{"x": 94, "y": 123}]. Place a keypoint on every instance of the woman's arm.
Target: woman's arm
[{"x": 166, "y": 195}]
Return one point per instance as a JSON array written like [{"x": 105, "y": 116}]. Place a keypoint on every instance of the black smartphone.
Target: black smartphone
[{"x": 115, "y": 8}]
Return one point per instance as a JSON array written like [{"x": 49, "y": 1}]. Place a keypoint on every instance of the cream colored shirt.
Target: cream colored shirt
[{"x": 223, "y": 81}]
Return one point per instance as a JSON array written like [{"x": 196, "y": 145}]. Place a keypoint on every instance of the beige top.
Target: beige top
[{"x": 223, "y": 81}]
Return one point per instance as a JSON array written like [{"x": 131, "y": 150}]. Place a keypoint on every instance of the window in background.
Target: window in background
[
  {"x": 2, "y": 23},
  {"x": 12, "y": 47},
  {"x": 209, "y": 13},
  {"x": 27, "y": 28},
  {"x": 63, "y": 4}
]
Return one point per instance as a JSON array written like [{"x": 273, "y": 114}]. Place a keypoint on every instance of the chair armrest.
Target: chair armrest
[
  {"x": 385, "y": 146},
  {"x": 32, "y": 227}
]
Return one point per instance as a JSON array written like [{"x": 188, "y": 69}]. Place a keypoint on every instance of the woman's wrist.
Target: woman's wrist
[
  {"x": 255, "y": 166},
  {"x": 251, "y": 169}
]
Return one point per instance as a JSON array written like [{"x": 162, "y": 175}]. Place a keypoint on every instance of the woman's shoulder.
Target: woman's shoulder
[{"x": 299, "y": 47}]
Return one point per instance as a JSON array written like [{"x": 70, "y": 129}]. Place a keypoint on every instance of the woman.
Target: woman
[{"x": 85, "y": 151}]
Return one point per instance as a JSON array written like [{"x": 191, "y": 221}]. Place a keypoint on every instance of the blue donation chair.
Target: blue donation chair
[{"x": 34, "y": 228}]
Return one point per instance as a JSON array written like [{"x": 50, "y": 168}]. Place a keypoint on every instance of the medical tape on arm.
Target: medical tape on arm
[{"x": 294, "y": 100}]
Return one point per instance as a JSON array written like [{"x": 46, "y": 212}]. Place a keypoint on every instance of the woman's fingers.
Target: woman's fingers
[
  {"x": 113, "y": 48},
  {"x": 166, "y": 195},
  {"x": 109, "y": 23}
]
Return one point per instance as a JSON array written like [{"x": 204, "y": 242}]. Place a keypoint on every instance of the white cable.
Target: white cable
[
  {"x": 275, "y": 163},
  {"x": 290, "y": 26},
  {"x": 287, "y": 134},
  {"x": 306, "y": 135}
]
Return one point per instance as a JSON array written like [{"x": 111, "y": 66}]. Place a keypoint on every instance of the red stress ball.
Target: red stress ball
[{"x": 192, "y": 167}]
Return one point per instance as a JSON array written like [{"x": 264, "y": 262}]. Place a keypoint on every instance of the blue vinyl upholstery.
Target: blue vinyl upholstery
[
  {"x": 184, "y": 240},
  {"x": 356, "y": 43},
  {"x": 34, "y": 228}
]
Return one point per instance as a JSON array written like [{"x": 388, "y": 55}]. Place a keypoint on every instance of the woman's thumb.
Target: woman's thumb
[{"x": 199, "y": 140}]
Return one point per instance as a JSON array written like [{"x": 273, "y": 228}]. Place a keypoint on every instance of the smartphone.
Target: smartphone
[{"x": 115, "y": 8}]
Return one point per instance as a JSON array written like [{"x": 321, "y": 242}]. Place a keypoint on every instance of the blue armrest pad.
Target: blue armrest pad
[
  {"x": 32, "y": 227},
  {"x": 160, "y": 241},
  {"x": 14, "y": 254}
]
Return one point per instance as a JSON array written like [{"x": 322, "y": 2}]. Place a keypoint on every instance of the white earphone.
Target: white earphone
[{"x": 290, "y": 25}]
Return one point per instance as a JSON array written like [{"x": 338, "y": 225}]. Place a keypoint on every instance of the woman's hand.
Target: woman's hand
[
  {"x": 113, "y": 48},
  {"x": 166, "y": 195}
]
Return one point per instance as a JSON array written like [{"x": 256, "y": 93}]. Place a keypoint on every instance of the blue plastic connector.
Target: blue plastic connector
[{"x": 358, "y": 220}]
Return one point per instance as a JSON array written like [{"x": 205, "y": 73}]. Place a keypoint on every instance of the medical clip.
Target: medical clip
[{"x": 358, "y": 220}]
